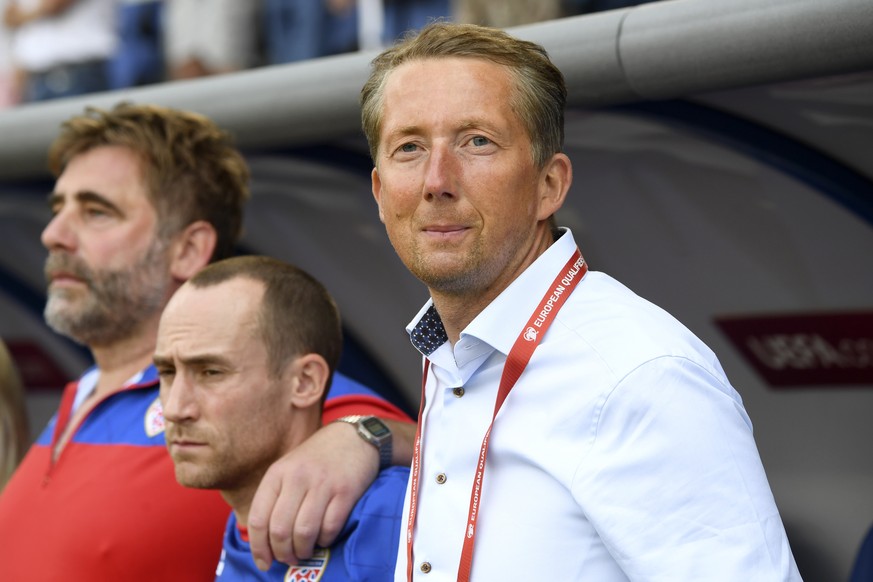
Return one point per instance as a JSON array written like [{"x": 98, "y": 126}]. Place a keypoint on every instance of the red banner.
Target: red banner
[{"x": 806, "y": 349}]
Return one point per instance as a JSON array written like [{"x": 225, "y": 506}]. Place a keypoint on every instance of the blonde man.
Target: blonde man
[{"x": 569, "y": 430}]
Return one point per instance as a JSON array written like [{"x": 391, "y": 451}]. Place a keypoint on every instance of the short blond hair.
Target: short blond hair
[{"x": 539, "y": 95}]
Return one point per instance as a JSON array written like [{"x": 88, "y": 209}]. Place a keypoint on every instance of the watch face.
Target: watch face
[{"x": 376, "y": 427}]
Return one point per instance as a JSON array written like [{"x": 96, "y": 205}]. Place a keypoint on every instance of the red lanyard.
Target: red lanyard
[{"x": 516, "y": 362}]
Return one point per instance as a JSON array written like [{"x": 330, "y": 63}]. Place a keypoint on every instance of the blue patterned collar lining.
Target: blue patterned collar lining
[{"x": 429, "y": 333}]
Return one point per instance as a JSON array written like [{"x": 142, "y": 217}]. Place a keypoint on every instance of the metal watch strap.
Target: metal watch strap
[{"x": 383, "y": 443}]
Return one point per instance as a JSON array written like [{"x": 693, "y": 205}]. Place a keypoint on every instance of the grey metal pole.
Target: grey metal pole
[{"x": 653, "y": 51}]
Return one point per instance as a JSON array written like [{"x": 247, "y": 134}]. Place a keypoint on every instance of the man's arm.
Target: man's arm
[
  {"x": 307, "y": 495},
  {"x": 675, "y": 451}
]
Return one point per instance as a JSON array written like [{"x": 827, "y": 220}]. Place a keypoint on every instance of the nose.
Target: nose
[
  {"x": 177, "y": 401},
  {"x": 58, "y": 234},
  {"x": 441, "y": 173}
]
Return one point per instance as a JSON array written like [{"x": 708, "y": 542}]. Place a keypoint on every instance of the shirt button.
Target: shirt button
[
  {"x": 425, "y": 567},
  {"x": 441, "y": 478},
  {"x": 458, "y": 392}
]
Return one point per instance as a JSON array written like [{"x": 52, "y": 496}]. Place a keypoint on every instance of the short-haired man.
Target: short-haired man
[
  {"x": 246, "y": 351},
  {"x": 570, "y": 430},
  {"x": 145, "y": 197}
]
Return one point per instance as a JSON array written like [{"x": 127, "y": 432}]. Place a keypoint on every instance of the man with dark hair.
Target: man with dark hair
[
  {"x": 246, "y": 351},
  {"x": 145, "y": 197}
]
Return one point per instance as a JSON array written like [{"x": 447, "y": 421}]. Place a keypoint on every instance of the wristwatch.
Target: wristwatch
[{"x": 375, "y": 432}]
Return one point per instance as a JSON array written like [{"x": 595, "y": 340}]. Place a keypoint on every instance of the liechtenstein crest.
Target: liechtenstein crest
[
  {"x": 154, "y": 419},
  {"x": 310, "y": 570}
]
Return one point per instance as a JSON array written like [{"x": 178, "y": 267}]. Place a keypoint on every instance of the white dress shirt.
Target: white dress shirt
[{"x": 622, "y": 453}]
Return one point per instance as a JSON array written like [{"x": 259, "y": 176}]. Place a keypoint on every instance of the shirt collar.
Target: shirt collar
[
  {"x": 429, "y": 333},
  {"x": 501, "y": 321},
  {"x": 88, "y": 382}
]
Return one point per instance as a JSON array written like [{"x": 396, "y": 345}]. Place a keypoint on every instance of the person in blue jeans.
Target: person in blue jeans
[{"x": 245, "y": 354}]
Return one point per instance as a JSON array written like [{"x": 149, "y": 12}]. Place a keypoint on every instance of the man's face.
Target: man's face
[
  {"x": 455, "y": 180},
  {"x": 226, "y": 417},
  {"x": 107, "y": 271}
]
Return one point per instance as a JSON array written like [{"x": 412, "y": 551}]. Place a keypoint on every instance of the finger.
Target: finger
[
  {"x": 282, "y": 520},
  {"x": 260, "y": 516},
  {"x": 309, "y": 520},
  {"x": 335, "y": 516}
]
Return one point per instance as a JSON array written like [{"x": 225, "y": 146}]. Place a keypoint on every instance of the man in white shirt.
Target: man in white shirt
[
  {"x": 569, "y": 430},
  {"x": 63, "y": 45}
]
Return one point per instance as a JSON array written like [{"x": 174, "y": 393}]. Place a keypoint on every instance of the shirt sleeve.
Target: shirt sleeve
[
  {"x": 347, "y": 397},
  {"x": 372, "y": 530},
  {"x": 673, "y": 482}
]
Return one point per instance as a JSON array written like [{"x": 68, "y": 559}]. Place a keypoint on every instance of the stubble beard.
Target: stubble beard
[
  {"x": 455, "y": 275},
  {"x": 470, "y": 274},
  {"x": 116, "y": 302},
  {"x": 219, "y": 473},
  {"x": 227, "y": 468}
]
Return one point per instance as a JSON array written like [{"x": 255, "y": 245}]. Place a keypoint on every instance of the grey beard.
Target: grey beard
[{"x": 117, "y": 302}]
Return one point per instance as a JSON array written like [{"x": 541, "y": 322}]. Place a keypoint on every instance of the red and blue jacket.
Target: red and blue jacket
[{"x": 109, "y": 507}]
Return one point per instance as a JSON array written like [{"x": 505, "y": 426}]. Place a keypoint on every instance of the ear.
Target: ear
[
  {"x": 555, "y": 179},
  {"x": 377, "y": 191},
  {"x": 192, "y": 249},
  {"x": 307, "y": 376}
]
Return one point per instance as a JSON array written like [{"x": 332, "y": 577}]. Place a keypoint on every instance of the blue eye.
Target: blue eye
[{"x": 480, "y": 141}]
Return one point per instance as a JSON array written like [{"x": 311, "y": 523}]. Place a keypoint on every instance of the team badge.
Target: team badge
[
  {"x": 154, "y": 419},
  {"x": 310, "y": 570}
]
